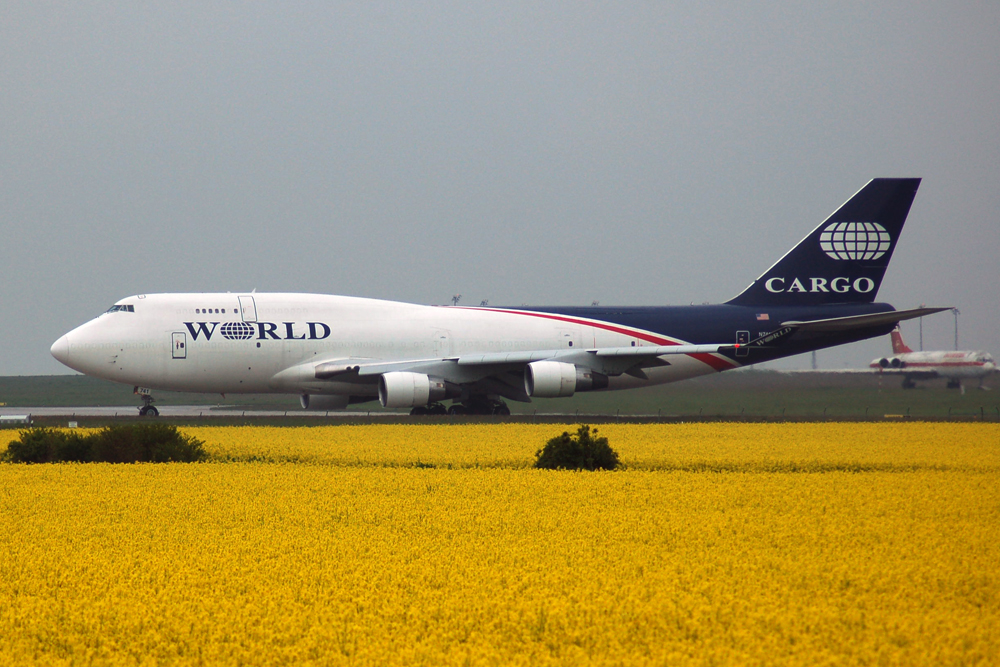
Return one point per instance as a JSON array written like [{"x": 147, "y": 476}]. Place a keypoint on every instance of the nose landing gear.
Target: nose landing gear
[{"x": 147, "y": 409}]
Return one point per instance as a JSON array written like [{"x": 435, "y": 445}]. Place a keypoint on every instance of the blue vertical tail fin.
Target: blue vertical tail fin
[{"x": 844, "y": 259}]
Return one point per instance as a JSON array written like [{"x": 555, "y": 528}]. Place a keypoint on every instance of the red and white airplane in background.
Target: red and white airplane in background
[{"x": 955, "y": 365}]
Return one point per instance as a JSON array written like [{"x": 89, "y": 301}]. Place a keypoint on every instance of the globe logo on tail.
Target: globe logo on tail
[{"x": 854, "y": 240}]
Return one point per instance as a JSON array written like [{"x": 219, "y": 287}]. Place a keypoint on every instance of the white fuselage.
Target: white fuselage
[{"x": 271, "y": 342}]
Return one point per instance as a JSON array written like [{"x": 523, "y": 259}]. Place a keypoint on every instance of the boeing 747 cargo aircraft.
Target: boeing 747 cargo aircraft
[{"x": 334, "y": 351}]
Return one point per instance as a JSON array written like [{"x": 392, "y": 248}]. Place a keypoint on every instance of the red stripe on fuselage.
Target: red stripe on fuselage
[
  {"x": 942, "y": 364},
  {"x": 717, "y": 363}
]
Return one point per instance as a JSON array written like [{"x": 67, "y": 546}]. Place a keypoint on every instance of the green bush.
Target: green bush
[
  {"x": 46, "y": 445},
  {"x": 157, "y": 443},
  {"x": 583, "y": 451},
  {"x": 131, "y": 443}
]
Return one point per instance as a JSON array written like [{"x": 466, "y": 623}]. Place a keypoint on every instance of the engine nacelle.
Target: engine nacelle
[
  {"x": 401, "y": 389},
  {"x": 555, "y": 379},
  {"x": 324, "y": 401}
]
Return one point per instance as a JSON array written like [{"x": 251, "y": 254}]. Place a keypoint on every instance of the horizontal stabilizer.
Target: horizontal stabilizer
[{"x": 837, "y": 324}]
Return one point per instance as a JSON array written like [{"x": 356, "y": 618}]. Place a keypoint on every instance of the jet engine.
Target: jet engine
[
  {"x": 323, "y": 401},
  {"x": 895, "y": 362},
  {"x": 401, "y": 389},
  {"x": 555, "y": 379}
]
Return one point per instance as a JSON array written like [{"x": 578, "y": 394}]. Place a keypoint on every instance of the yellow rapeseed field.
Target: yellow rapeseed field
[{"x": 849, "y": 544}]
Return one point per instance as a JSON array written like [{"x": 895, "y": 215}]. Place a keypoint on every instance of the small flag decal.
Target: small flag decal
[{"x": 763, "y": 317}]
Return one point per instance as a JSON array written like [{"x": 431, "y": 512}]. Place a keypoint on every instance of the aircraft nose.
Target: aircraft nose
[{"x": 60, "y": 350}]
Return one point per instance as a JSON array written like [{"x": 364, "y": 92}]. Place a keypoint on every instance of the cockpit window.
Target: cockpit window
[{"x": 121, "y": 308}]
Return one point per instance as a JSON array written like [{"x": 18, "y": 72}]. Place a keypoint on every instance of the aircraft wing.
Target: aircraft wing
[
  {"x": 608, "y": 360},
  {"x": 502, "y": 372},
  {"x": 922, "y": 374},
  {"x": 600, "y": 355},
  {"x": 497, "y": 372}
]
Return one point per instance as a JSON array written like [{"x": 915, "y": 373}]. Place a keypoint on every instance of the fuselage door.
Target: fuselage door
[
  {"x": 742, "y": 338},
  {"x": 179, "y": 345},
  {"x": 568, "y": 338},
  {"x": 442, "y": 343},
  {"x": 248, "y": 309}
]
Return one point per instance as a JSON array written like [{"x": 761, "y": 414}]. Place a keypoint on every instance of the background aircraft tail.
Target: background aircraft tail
[
  {"x": 844, "y": 259},
  {"x": 898, "y": 346}
]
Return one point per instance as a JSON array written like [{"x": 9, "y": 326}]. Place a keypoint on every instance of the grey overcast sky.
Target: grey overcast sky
[{"x": 521, "y": 152}]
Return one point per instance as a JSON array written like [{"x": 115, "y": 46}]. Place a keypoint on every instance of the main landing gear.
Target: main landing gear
[
  {"x": 476, "y": 406},
  {"x": 432, "y": 409}
]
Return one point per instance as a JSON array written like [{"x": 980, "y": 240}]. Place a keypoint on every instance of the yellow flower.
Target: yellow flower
[{"x": 437, "y": 544}]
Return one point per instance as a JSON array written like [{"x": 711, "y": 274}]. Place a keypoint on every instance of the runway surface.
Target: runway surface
[{"x": 176, "y": 411}]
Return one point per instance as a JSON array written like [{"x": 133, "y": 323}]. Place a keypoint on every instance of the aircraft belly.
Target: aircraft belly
[
  {"x": 962, "y": 371},
  {"x": 680, "y": 368}
]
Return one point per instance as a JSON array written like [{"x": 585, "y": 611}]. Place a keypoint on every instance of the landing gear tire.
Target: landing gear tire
[
  {"x": 909, "y": 384},
  {"x": 147, "y": 409},
  {"x": 480, "y": 406},
  {"x": 436, "y": 409},
  {"x": 418, "y": 411}
]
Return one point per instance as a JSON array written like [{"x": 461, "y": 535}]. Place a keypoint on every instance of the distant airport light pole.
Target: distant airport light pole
[
  {"x": 956, "y": 313},
  {"x": 920, "y": 321}
]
